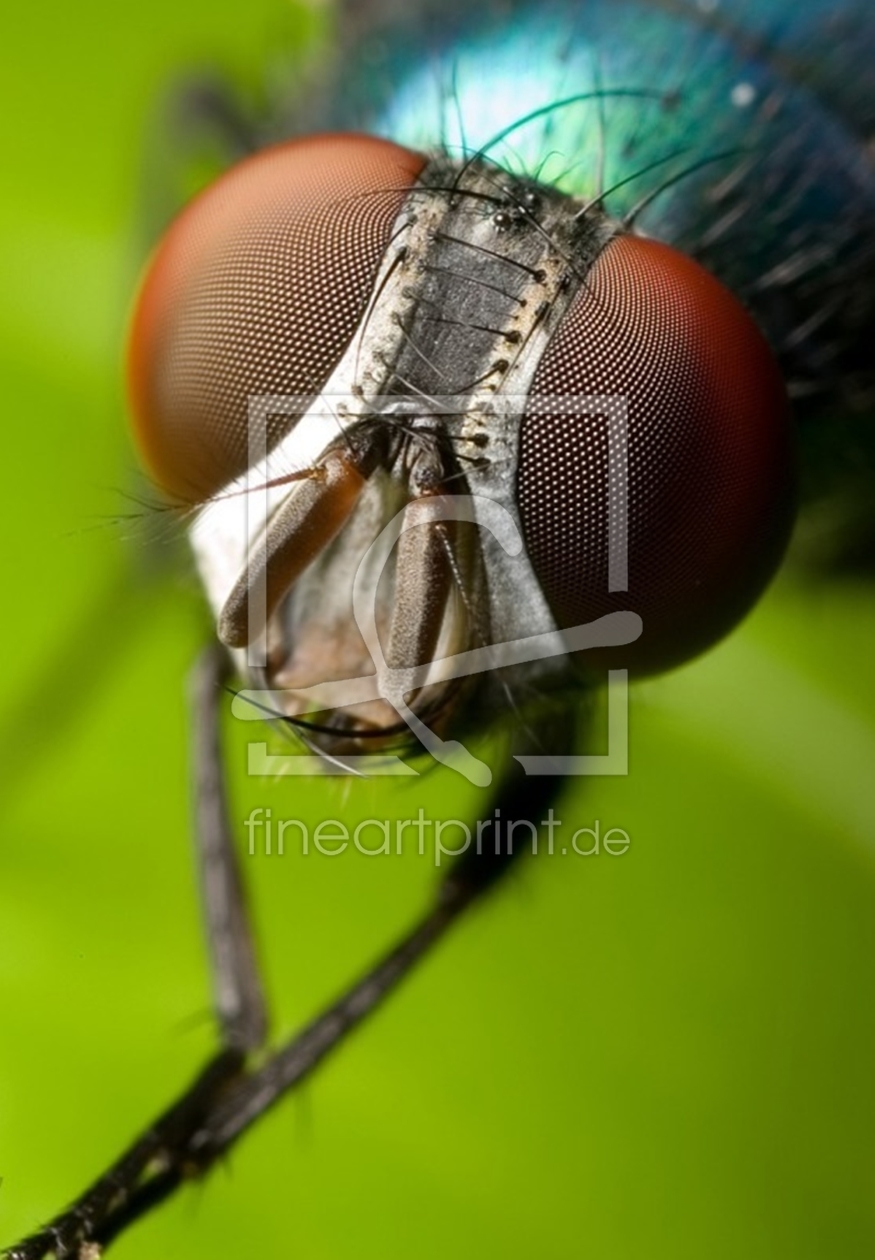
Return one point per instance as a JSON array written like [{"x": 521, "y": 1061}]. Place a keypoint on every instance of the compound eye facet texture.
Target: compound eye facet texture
[
  {"x": 658, "y": 370},
  {"x": 257, "y": 288}
]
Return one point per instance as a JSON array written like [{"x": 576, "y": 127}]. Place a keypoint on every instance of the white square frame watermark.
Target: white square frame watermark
[{"x": 264, "y": 490}]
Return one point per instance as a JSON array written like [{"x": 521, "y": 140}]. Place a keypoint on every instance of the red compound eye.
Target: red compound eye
[
  {"x": 257, "y": 288},
  {"x": 709, "y": 449}
]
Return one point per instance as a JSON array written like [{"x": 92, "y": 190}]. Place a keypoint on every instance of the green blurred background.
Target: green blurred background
[{"x": 667, "y": 1053}]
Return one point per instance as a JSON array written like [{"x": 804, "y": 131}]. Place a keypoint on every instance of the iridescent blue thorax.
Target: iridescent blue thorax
[{"x": 719, "y": 126}]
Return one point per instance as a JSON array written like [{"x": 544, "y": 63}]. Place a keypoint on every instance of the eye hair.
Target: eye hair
[
  {"x": 433, "y": 269},
  {"x": 373, "y": 302},
  {"x": 545, "y": 110},
  {"x": 457, "y": 323},
  {"x": 640, "y": 206}
]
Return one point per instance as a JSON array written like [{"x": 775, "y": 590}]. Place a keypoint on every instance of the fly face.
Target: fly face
[{"x": 496, "y": 344}]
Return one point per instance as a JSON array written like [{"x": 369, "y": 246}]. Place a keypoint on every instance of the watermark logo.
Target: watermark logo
[
  {"x": 437, "y": 839},
  {"x": 393, "y": 685}
]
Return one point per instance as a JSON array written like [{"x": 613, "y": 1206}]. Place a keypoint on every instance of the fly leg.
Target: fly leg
[
  {"x": 226, "y": 1099},
  {"x": 520, "y": 799},
  {"x": 158, "y": 1160},
  {"x": 205, "y": 108},
  {"x": 238, "y": 995}
]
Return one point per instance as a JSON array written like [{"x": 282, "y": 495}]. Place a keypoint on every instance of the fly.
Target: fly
[{"x": 480, "y": 344}]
